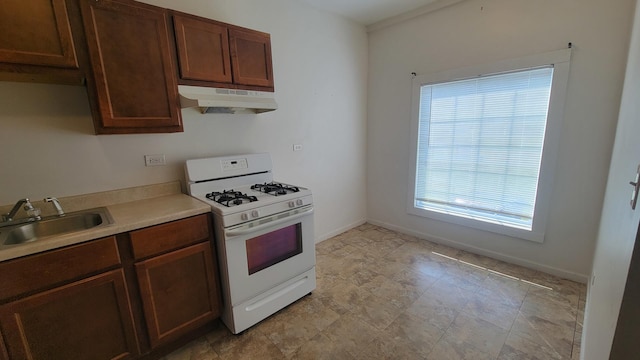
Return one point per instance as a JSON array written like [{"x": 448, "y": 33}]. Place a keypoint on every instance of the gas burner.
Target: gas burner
[
  {"x": 275, "y": 189},
  {"x": 230, "y": 197}
]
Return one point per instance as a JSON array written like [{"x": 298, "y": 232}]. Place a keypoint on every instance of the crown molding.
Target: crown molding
[{"x": 434, "y": 6}]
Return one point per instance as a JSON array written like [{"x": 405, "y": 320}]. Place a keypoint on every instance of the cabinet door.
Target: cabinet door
[
  {"x": 36, "y": 32},
  {"x": 179, "y": 292},
  {"x": 88, "y": 319},
  {"x": 251, "y": 57},
  {"x": 3, "y": 349},
  {"x": 203, "y": 49},
  {"x": 133, "y": 85}
]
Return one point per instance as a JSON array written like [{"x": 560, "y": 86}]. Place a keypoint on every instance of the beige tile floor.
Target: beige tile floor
[{"x": 385, "y": 295}]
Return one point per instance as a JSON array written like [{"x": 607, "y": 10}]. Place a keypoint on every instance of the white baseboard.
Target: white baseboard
[
  {"x": 340, "y": 230},
  {"x": 565, "y": 274}
]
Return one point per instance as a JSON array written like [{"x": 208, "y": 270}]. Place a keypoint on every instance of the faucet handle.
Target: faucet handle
[
  {"x": 30, "y": 210},
  {"x": 33, "y": 212},
  {"x": 27, "y": 204},
  {"x": 56, "y": 205}
]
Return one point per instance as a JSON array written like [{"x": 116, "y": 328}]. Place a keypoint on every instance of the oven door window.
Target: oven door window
[{"x": 271, "y": 248}]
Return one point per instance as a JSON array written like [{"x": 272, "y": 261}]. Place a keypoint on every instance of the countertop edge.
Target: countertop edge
[{"x": 126, "y": 217}]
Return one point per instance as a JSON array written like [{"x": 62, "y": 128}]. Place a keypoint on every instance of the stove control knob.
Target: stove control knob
[
  {"x": 244, "y": 216},
  {"x": 291, "y": 204},
  {"x": 255, "y": 214},
  {"x": 299, "y": 202}
]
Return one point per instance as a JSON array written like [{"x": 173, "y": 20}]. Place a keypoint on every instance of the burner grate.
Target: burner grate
[
  {"x": 230, "y": 197},
  {"x": 275, "y": 189}
]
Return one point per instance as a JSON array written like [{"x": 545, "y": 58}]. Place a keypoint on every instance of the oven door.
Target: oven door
[{"x": 266, "y": 252}]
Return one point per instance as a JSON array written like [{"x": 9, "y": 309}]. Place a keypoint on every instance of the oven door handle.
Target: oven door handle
[{"x": 247, "y": 228}]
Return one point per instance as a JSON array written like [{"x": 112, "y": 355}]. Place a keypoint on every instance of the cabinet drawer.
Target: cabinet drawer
[
  {"x": 55, "y": 267},
  {"x": 170, "y": 236}
]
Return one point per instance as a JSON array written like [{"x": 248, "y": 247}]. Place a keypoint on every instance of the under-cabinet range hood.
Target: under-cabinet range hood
[{"x": 226, "y": 101}]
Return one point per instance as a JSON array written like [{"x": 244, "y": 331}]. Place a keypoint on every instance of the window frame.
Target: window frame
[{"x": 560, "y": 60}]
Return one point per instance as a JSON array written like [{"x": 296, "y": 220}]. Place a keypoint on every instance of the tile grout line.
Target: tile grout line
[
  {"x": 575, "y": 328},
  {"x": 412, "y": 279}
]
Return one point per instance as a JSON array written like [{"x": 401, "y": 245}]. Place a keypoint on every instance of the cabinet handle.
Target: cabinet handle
[{"x": 636, "y": 189}]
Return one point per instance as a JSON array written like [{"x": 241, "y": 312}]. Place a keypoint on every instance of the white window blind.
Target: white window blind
[{"x": 480, "y": 145}]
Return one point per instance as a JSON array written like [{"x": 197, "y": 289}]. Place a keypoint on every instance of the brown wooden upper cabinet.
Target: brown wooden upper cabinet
[
  {"x": 212, "y": 53},
  {"x": 132, "y": 87},
  {"x": 129, "y": 56},
  {"x": 36, "y": 42},
  {"x": 203, "y": 49},
  {"x": 251, "y": 57}
]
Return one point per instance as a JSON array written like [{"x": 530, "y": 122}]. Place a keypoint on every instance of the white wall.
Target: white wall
[
  {"x": 613, "y": 287},
  {"x": 47, "y": 146},
  {"x": 477, "y": 32}
]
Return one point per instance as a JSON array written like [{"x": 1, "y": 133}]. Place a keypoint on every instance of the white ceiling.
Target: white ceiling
[{"x": 368, "y": 12}]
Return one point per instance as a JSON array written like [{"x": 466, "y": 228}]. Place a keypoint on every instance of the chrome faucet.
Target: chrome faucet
[
  {"x": 56, "y": 205},
  {"x": 34, "y": 214}
]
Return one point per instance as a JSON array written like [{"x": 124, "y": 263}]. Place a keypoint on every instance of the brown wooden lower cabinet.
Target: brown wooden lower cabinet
[
  {"x": 87, "y": 319},
  {"x": 179, "y": 292},
  {"x": 3, "y": 349},
  {"x": 133, "y": 295}
]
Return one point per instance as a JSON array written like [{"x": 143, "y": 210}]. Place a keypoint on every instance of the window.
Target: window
[{"x": 484, "y": 144}]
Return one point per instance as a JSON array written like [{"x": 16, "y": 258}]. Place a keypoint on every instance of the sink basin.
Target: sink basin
[{"x": 72, "y": 222}]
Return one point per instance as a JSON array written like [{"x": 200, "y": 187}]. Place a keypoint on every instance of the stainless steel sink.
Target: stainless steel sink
[{"x": 71, "y": 222}]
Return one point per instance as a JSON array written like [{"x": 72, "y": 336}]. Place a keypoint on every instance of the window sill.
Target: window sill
[{"x": 535, "y": 236}]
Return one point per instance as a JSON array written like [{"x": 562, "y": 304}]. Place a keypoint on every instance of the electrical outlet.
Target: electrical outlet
[
  {"x": 297, "y": 147},
  {"x": 155, "y": 160}
]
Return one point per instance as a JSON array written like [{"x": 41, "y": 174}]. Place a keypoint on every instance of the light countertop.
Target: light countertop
[{"x": 146, "y": 206}]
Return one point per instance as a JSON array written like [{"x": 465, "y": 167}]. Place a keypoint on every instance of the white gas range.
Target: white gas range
[{"x": 264, "y": 235}]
